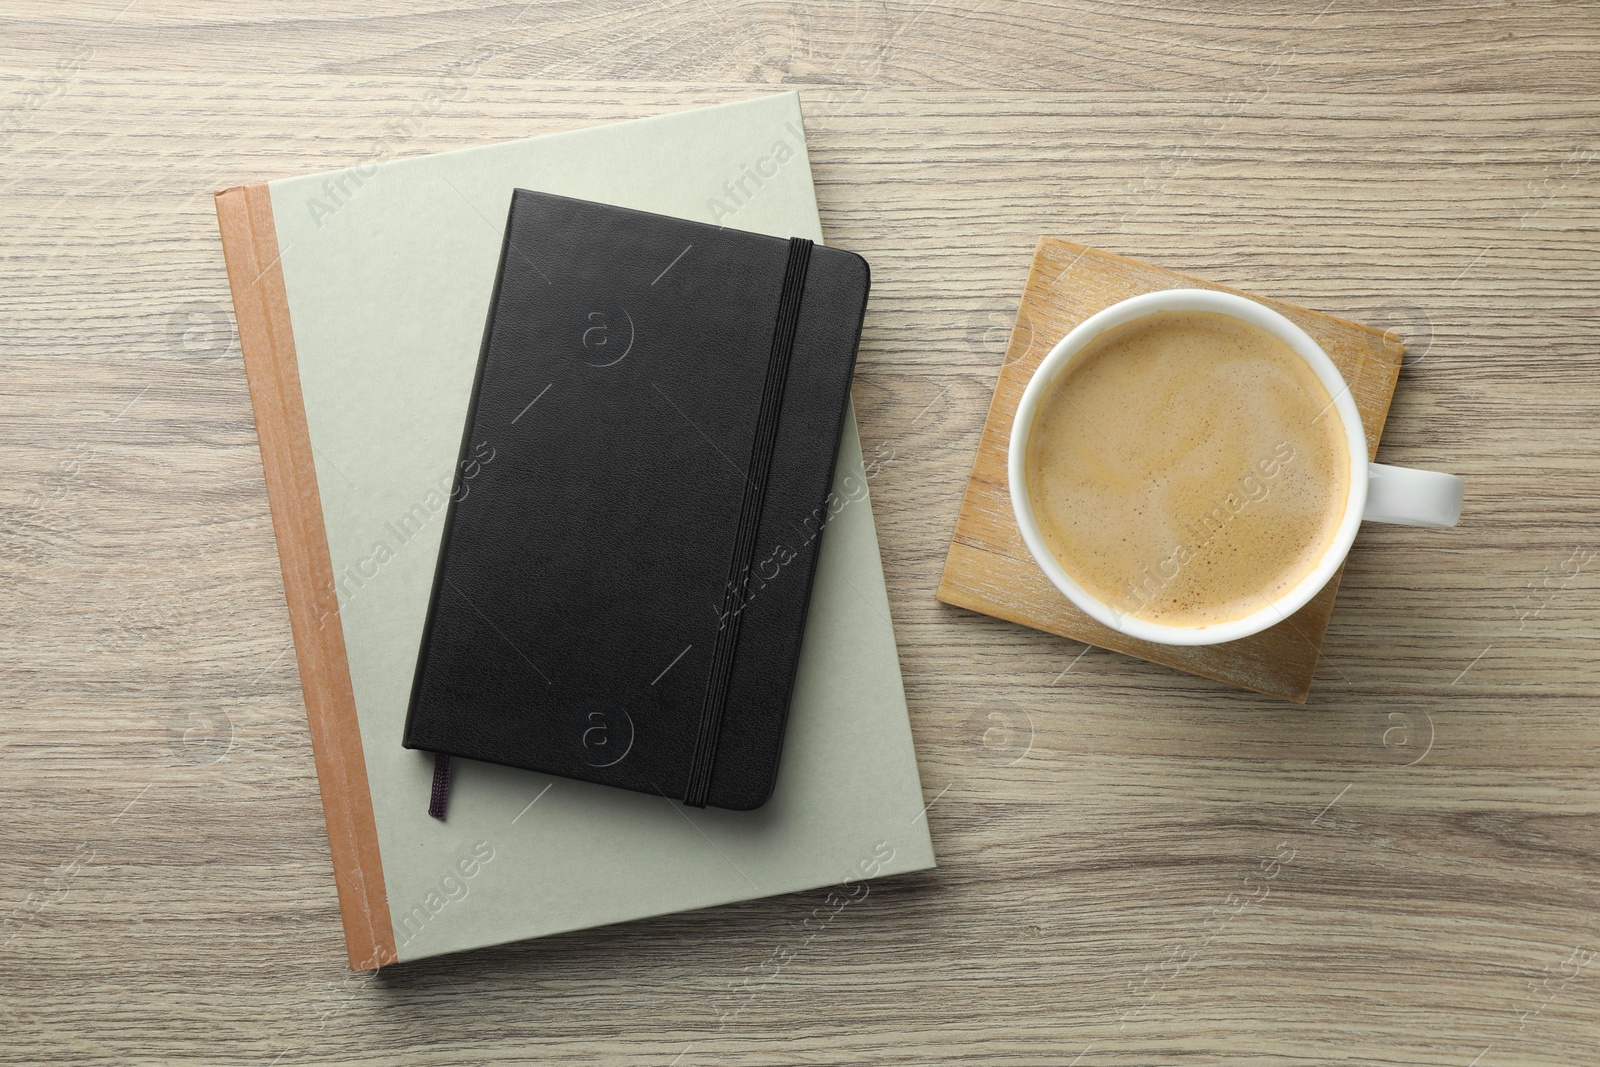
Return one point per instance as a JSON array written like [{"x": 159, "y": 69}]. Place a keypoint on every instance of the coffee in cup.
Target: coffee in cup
[{"x": 1189, "y": 467}]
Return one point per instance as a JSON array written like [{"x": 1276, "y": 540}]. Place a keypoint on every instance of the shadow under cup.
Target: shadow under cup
[{"x": 1205, "y": 523}]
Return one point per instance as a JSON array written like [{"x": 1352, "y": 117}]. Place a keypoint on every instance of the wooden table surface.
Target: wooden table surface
[{"x": 1137, "y": 866}]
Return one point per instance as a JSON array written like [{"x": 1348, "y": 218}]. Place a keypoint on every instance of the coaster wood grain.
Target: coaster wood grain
[{"x": 989, "y": 568}]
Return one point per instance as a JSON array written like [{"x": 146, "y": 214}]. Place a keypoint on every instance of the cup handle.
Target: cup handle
[{"x": 1409, "y": 497}]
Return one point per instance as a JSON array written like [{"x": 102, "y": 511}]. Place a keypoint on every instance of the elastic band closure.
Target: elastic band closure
[{"x": 744, "y": 545}]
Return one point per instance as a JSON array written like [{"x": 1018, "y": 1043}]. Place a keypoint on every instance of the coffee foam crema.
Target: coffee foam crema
[{"x": 1188, "y": 468}]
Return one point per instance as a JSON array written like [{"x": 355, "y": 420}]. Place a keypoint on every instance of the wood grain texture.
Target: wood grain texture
[
  {"x": 1136, "y": 866},
  {"x": 989, "y": 568}
]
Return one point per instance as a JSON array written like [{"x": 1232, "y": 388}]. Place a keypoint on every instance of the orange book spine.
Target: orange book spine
[{"x": 266, "y": 337}]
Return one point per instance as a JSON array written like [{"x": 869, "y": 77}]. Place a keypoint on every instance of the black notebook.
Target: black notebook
[{"x": 640, "y": 500}]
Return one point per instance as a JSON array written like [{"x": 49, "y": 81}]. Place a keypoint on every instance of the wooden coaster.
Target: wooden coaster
[{"x": 989, "y": 568}]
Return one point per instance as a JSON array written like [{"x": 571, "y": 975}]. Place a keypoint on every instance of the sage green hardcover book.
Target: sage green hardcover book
[{"x": 361, "y": 297}]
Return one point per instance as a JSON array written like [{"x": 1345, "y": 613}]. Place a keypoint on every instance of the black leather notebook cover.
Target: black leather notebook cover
[{"x": 628, "y": 556}]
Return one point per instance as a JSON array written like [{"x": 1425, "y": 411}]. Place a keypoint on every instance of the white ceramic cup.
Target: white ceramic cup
[{"x": 1378, "y": 492}]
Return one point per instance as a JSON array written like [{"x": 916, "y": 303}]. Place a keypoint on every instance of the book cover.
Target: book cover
[
  {"x": 361, "y": 297},
  {"x": 622, "y": 587}
]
